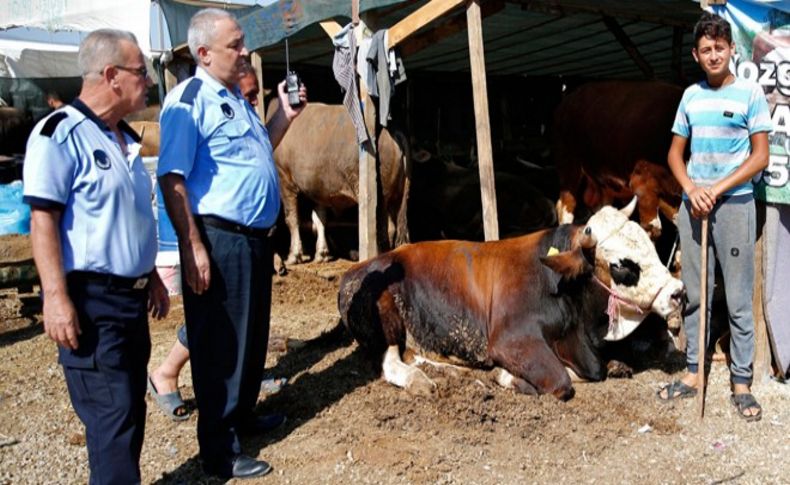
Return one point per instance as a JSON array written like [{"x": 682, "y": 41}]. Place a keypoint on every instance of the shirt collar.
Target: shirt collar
[
  {"x": 214, "y": 84},
  {"x": 122, "y": 125},
  {"x": 83, "y": 108}
]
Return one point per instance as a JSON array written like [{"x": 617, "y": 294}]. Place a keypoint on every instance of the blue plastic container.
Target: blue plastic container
[
  {"x": 166, "y": 233},
  {"x": 14, "y": 214}
]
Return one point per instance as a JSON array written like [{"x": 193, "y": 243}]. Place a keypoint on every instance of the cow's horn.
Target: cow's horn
[
  {"x": 629, "y": 209},
  {"x": 587, "y": 239}
]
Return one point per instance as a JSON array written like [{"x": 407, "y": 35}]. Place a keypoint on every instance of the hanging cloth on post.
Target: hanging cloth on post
[
  {"x": 343, "y": 69},
  {"x": 385, "y": 71}
]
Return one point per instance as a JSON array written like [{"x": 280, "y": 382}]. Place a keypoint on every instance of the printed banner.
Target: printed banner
[{"x": 761, "y": 32}]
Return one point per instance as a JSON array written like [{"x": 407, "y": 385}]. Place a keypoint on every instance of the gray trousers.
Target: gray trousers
[{"x": 731, "y": 238}]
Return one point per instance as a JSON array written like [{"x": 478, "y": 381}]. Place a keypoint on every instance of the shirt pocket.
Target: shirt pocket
[{"x": 229, "y": 133}]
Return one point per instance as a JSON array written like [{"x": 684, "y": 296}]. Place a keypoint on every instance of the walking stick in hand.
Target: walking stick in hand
[{"x": 703, "y": 314}]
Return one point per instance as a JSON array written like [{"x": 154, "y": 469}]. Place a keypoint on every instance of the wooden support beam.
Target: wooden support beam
[
  {"x": 485, "y": 158},
  {"x": 171, "y": 78},
  {"x": 762, "y": 348},
  {"x": 629, "y": 46},
  {"x": 331, "y": 27},
  {"x": 257, "y": 66},
  {"x": 446, "y": 29},
  {"x": 368, "y": 180},
  {"x": 707, "y": 3},
  {"x": 419, "y": 19}
]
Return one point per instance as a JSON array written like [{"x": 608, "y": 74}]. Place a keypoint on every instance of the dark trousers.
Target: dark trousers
[
  {"x": 106, "y": 376},
  {"x": 228, "y": 332}
]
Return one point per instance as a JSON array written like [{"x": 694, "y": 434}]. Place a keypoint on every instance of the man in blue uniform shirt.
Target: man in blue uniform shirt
[
  {"x": 219, "y": 181},
  {"x": 94, "y": 243}
]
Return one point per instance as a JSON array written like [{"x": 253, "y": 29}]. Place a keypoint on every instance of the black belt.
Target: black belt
[
  {"x": 231, "y": 226},
  {"x": 109, "y": 280}
]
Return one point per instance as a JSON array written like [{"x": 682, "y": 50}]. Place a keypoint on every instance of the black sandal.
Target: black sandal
[
  {"x": 676, "y": 390},
  {"x": 745, "y": 401}
]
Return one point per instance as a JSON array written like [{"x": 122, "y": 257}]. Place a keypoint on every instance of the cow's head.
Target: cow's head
[
  {"x": 626, "y": 263},
  {"x": 627, "y": 266}
]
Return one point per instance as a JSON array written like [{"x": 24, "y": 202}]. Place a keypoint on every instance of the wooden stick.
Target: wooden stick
[{"x": 703, "y": 314}]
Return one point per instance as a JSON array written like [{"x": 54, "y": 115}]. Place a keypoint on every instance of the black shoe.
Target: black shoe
[
  {"x": 247, "y": 467},
  {"x": 262, "y": 424}
]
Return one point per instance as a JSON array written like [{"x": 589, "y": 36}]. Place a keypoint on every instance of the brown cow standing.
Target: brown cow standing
[
  {"x": 610, "y": 142},
  {"x": 319, "y": 158},
  {"x": 149, "y": 133},
  {"x": 532, "y": 306}
]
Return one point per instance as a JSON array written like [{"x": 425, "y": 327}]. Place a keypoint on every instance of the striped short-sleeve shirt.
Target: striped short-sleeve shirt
[{"x": 719, "y": 123}]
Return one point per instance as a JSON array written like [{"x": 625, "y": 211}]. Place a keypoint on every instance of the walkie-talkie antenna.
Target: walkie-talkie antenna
[{"x": 287, "y": 60}]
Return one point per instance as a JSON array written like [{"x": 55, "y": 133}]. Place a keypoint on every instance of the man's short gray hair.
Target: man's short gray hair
[
  {"x": 202, "y": 28},
  {"x": 100, "y": 48}
]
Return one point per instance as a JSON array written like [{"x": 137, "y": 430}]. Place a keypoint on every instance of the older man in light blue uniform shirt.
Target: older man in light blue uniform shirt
[
  {"x": 219, "y": 145},
  {"x": 94, "y": 242},
  {"x": 219, "y": 181}
]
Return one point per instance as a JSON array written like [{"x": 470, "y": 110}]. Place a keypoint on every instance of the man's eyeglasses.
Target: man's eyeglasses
[{"x": 140, "y": 71}]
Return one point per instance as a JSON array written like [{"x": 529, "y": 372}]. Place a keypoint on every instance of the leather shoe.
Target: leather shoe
[
  {"x": 247, "y": 467},
  {"x": 263, "y": 424}
]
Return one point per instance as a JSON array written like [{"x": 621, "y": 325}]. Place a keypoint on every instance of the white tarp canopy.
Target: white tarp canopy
[
  {"x": 81, "y": 16},
  {"x": 25, "y": 59}
]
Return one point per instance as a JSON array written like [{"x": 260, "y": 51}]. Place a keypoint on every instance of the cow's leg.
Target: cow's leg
[
  {"x": 400, "y": 374},
  {"x": 291, "y": 209},
  {"x": 509, "y": 381},
  {"x": 533, "y": 361},
  {"x": 319, "y": 222}
]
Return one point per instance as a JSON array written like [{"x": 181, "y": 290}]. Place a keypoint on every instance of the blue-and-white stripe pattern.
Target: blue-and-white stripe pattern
[{"x": 719, "y": 123}]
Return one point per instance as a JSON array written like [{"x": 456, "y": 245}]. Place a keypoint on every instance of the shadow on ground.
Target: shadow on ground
[{"x": 302, "y": 399}]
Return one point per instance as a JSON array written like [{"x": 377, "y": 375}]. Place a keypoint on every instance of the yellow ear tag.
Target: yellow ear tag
[{"x": 553, "y": 251}]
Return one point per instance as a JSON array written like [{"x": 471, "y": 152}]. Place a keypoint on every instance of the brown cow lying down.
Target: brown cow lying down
[{"x": 531, "y": 306}]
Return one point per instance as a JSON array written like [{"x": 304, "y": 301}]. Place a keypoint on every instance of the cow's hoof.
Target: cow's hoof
[
  {"x": 420, "y": 385},
  {"x": 322, "y": 258},
  {"x": 296, "y": 259},
  {"x": 617, "y": 369}
]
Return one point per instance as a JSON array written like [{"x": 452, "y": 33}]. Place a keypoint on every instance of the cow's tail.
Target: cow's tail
[
  {"x": 361, "y": 289},
  {"x": 402, "y": 229}
]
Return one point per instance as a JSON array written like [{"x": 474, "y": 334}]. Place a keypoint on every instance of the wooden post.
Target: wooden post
[
  {"x": 257, "y": 66},
  {"x": 171, "y": 78},
  {"x": 629, "y": 46},
  {"x": 368, "y": 193},
  {"x": 762, "y": 349},
  {"x": 368, "y": 180},
  {"x": 482, "y": 123},
  {"x": 703, "y": 318}
]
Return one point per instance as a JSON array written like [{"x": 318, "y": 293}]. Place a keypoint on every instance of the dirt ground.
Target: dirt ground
[{"x": 348, "y": 426}]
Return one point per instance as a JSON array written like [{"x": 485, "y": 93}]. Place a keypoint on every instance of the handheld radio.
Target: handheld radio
[{"x": 291, "y": 81}]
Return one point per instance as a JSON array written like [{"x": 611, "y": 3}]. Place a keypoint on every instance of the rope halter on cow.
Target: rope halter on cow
[{"x": 616, "y": 300}]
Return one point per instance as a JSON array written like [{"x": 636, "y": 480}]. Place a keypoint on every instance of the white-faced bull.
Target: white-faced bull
[{"x": 535, "y": 306}]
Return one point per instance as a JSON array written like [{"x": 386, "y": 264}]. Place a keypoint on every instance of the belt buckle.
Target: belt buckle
[{"x": 140, "y": 283}]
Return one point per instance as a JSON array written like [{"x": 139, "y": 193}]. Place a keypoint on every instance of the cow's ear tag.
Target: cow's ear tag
[{"x": 553, "y": 251}]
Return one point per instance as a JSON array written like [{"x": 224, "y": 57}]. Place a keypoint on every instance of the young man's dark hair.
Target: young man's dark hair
[{"x": 713, "y": 26}]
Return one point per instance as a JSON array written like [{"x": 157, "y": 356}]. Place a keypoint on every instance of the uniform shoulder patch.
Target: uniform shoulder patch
[
  {"x": 52, "y": 123},
  {"x": 191, "y": 91}
]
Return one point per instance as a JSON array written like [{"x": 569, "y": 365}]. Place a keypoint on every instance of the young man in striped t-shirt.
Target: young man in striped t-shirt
[{"x": 727, "y": 120}]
